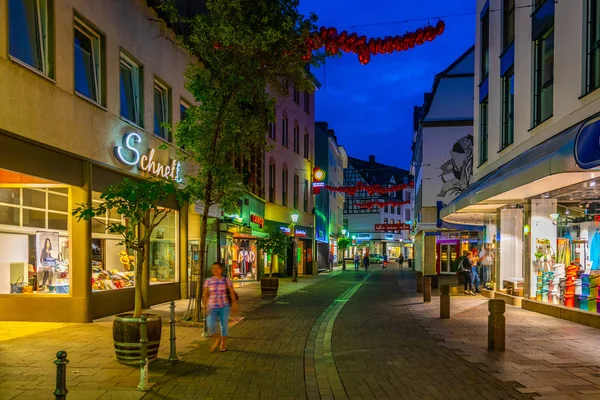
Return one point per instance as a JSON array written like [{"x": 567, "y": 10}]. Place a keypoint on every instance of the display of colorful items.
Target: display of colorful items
[
  {"x": 364, "y": 47},
  {"x": 107, "y": 280}
]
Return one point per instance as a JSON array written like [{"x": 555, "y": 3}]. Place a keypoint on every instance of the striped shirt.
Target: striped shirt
[{"x": 217, "y": 291}]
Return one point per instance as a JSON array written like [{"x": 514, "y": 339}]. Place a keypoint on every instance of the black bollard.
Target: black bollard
[
  {"x": 143, "y": 385},
  {"x": 61, "y": 376},
  {"x": 173, "y": 348}
]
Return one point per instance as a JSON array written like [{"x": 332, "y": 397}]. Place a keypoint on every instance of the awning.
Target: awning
[{"x": 548, "y": 166}]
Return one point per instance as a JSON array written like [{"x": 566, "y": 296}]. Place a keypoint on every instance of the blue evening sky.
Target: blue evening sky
[{"x": 370, "y": 107}]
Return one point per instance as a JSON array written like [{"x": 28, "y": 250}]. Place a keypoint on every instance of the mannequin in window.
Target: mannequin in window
[
  {"x": 243, "y": 260},
  {"x": 251, "y": 260}
]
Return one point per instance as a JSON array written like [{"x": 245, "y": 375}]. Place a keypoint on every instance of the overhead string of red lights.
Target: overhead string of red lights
[
  {"x": 364, "y": 47},
  {"x": 381, "y": 204},
  {"x": 370, "y": 189}
]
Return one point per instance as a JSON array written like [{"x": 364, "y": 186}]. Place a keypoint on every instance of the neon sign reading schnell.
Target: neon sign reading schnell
[{"x": 146, "y": 162}]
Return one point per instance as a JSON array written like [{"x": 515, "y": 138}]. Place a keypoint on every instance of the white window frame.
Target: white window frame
[
  {"x": 164, "y": 90},
  {"x": 96, "y": 40},
  {"x": 136, "y": 79}
]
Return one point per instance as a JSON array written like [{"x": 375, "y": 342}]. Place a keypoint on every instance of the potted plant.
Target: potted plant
[
  {"x": 275, "y": 244},
  {"x": 343, "y": 244},
  {"x": 138, "y": 204}
]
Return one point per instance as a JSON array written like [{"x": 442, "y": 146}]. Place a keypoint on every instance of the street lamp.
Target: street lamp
[
  {"x": 344, "y": 232},
  {"x": 294, "y": 247}
]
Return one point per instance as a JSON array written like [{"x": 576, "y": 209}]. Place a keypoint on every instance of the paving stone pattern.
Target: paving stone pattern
[{"x": 327, "y": 338}]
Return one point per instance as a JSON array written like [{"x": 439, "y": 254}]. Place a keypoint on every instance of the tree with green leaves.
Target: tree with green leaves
[
  {"x": 343, "y": 244},
  {"x": 139, "y": 205},
  {"x": 277, "y": 244},
  {"x": 249, "y": 52}
]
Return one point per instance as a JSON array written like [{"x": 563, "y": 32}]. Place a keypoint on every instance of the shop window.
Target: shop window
[
  {"x": 306, "y": 144},
  {"x": 272, "y": 182},
  {"x": 88, "y": 61},
  {"x": 284, "y": 187},
  {"x": 130, "y": 83},
  {"x": 508, "y": 22},
  {"x": 296, "y": 138},
  {"x": 543, "y": 97},
  {"x": 284, "y": 131},
  {"x": 508, "y": 110},
  {"x": 592, "y": 79},
  {"x": 30, "y": 33},
  {"x": 34, "y": 243},
  {"x": 296, "y": 190},
  {"x": 483, "y": 132},
  {"x": 305, "y": 207},
  {"x": 163, "y": 251},
  {"x": 485, "y": 45},
  {"x": 161, "y": 111}
]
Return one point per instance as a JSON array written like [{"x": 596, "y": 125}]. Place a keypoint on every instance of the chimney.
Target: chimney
[{"x": 372, "y": 159}]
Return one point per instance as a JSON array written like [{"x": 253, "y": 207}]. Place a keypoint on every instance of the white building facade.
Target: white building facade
[{"x": 536, "y": 147}]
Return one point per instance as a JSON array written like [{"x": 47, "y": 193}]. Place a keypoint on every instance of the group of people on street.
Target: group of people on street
[
  {"x": 364, "y": 262},
  {"x": 474, "y": 267}
]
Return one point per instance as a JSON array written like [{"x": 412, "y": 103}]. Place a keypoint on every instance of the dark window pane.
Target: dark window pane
[
  {"x": 159, "y": 113},
  {"x": 24, "y": 32},
  {"x": 127, "y": 93},
  {"x": 34, "y": 198},
  {"x": 9, "y": 216},
  {"x": 10, "y": 196},
  {"x": 85, "y": 69},
  {"x": 34, "y": 218},
  {"x": 182, "y": 112},
  {"x": 58, "y": 221}
]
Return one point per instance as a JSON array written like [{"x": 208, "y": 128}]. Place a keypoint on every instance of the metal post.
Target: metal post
[
  {"x": 419, "y": 282},
  {"x": 294, "y": 255},
  {"x": 427, "y": 290},
  {"x": 445, "y": 302},
  {"x": 61, "y": 375},
  {"x": 143, "y": 385},
  {"x": 496, "y": 325},
  {"x": 173, "y": 350}
]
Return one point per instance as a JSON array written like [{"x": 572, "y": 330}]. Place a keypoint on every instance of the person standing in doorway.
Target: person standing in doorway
[
  {"x": 216, "y": 301},
  {"x": 356, "y": 261},
  {"x": 466, "y": 272}
]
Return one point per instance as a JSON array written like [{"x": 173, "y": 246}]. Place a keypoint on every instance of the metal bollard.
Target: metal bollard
[
  {"x": 61, "y": 376},
  {"x": 419, "y": 282},
  {"x": 143, "y": 385},
  {"x": 427, "y": 290},
  {"x": 496, "y": 325},
  {"x": 445, "y": 302},
  {"x": 173, "y": 350}
]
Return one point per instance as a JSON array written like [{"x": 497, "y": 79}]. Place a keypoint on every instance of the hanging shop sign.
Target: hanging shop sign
[
  {"x": 130, "y": 155},
  {"x": 318, "y": 177},
  {"x": 587, "y": 145},
  {"x": 391, "y": 227},
  {"x": 257, "y": 219},
  {"x": 297, "y": 232}
]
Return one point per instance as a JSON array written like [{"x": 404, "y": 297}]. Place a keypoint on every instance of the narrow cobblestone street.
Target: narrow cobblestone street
[{"x": 349, "y": 336}]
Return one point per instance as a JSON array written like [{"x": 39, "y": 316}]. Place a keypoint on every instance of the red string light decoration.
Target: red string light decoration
[
  {"x": 381, "y": 204},
  {"x": 370, "y": 189},
  {"x": 366, "y": 47}
]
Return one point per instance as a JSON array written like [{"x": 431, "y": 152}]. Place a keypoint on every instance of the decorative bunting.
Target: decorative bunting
[
  {"x": 381, "y": 204},
  {"x": 366, "y": 47},
  {"x": 370, "y": 189}
]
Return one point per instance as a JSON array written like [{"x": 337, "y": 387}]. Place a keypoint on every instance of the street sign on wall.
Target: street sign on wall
[{"x": 391, "y": 227}]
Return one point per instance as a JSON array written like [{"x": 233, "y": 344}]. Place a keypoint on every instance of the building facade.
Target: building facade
[
  {"x": 536, "y": 149},
  {"x": 329, "y": 205},
  {"x": 378, "y": 229},
  {"x": 288, "y": 175},
  {"x": 442, "y": 166},
  {"x": 86, "y": 87}
]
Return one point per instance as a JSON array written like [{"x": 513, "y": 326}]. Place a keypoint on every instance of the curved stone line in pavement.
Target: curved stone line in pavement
[{"x": 321, "y": 376}]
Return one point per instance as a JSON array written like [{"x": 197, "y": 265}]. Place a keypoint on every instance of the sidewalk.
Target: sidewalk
[
  {"x": 551, "y": 358},
  {"x": 27, "y": 350}
]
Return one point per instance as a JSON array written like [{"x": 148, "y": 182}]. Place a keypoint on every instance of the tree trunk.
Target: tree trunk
[
  {"x": 202, "y": 263},
  {"x": 140, "y": 259},
  {"x": 271, "y": 267}
]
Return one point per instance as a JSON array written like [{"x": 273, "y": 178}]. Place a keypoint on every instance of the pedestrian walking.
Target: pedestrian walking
[
  {"x": 366, "y": 262},
  {"x": 330, "y": 261},
  {"x": 356, "y": 261},
  {"x": 475, "y": 273},
  {"x": 401, "y": 260},
  {"x": 466, "y": 272},
  {"x": 219, "y": 299}
]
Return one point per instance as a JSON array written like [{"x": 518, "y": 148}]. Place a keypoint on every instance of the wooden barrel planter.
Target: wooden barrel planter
[
  {"x": 269, "y": 286},
  {"x": 126, "y": 337}
]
